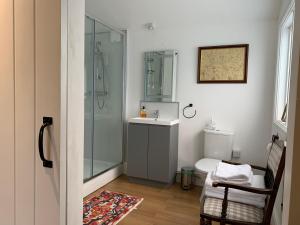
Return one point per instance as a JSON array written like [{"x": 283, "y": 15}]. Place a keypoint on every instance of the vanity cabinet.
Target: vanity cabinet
[{"x": 152, "y": 152}]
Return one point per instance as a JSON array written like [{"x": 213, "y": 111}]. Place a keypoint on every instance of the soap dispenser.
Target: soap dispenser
[{"x": 143, "y": 112}]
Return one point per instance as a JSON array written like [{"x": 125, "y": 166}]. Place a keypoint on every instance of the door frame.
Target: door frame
[
  {"x": 72, "y": 111},
  {"x": 291, "y": 182}
]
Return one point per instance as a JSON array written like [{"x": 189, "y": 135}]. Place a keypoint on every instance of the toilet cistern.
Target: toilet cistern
[{"x": 217, "y": 147}]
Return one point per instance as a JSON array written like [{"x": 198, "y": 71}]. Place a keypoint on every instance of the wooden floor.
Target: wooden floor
[{"x": 161, "y": 206}]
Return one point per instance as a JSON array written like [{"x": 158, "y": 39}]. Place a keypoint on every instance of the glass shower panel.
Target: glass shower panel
[
  {"x": 88, "y": 97},
  {"x": 108, "y": 99},
  {"x": 103, "y": 139}
]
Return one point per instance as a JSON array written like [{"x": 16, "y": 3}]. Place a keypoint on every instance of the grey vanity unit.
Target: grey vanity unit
[{"x": 152, "y": 152}]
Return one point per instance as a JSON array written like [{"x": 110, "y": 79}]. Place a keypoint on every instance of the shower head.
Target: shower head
[{"x": 98, "y": 46}]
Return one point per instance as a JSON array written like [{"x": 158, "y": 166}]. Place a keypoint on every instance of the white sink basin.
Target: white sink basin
[{"x": 159, "y": 121}]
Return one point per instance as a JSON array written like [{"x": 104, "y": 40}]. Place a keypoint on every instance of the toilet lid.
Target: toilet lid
[{"x": 207, "y": 165}]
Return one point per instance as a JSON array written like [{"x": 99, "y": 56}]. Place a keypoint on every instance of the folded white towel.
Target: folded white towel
[
  {"x": 232, "y": 180},
  {"x": 231, "y": 172}
]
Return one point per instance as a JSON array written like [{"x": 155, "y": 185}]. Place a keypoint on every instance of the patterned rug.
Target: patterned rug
[{"x": 108, "y": 208}]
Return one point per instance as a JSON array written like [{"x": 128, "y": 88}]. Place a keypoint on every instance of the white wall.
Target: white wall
[{"x": 245, "y": 109}]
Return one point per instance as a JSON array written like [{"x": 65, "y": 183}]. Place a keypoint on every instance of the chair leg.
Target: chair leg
[{"x": 202, "y": 221}]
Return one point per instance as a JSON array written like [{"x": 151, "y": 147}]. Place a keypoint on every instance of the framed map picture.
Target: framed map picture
[{"x": 223, "y": 64}]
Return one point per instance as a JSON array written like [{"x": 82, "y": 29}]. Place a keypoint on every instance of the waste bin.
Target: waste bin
[{"x": 186, "y": 177}]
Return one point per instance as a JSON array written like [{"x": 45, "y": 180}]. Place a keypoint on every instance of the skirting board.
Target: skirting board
[
  {"x": 197, "y": 180},
  {"x": 103, "y": 179}
]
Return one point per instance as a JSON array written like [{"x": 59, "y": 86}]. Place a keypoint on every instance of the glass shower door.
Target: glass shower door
[
  {"x": 104, "y": 66},
  {"x": 88, "y": 97},
  {"x": 108, "y": 99}
]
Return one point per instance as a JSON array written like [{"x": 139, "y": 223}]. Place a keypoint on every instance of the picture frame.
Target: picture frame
[{"x": 223, "y": 64}]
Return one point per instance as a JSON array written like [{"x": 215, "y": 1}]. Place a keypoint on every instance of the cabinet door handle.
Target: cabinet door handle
[{"x": 47, "y": 121}]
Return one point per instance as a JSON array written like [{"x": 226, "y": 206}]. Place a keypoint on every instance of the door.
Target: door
[
  {"x": 47, "y": 103},
  {"x": 137, "y": 161},
  {"x": 6, "y": 115},
  {"x": 159, "y": 153},
  {"x": 29, "y": 90}
]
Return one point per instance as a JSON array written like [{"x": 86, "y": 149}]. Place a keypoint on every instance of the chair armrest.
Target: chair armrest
[
  {"x": 252, "y": 166},
  {"x": 243, "y": 188}
]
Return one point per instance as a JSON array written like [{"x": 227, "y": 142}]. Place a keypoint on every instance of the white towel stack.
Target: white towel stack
[
  {"x": 236, "y": 174},
  {"x": 235, "y": 195}
]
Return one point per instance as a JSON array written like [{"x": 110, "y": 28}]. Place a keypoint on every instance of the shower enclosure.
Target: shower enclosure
[{"x": 103, "y": 128}]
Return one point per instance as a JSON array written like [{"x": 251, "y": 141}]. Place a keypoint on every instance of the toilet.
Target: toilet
[{"x": 217, "y": 147}]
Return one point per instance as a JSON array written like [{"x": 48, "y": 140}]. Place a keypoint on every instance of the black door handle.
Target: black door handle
[{"x": 47, "y": 121}]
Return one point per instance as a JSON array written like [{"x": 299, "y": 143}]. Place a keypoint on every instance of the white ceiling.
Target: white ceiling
[{"x": 133, "y": 14}]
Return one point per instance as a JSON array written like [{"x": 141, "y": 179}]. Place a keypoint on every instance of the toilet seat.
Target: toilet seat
[{"x": 206, "y": 165}]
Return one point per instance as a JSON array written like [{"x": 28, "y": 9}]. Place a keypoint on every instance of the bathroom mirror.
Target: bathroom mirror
[{"x": 160, "y": 75}]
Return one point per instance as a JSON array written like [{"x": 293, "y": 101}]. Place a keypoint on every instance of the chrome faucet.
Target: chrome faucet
[{"x": 156, "y": 114}]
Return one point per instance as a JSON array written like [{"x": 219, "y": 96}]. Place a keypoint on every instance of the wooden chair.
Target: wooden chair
[{"x": 228, "y": 212}]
